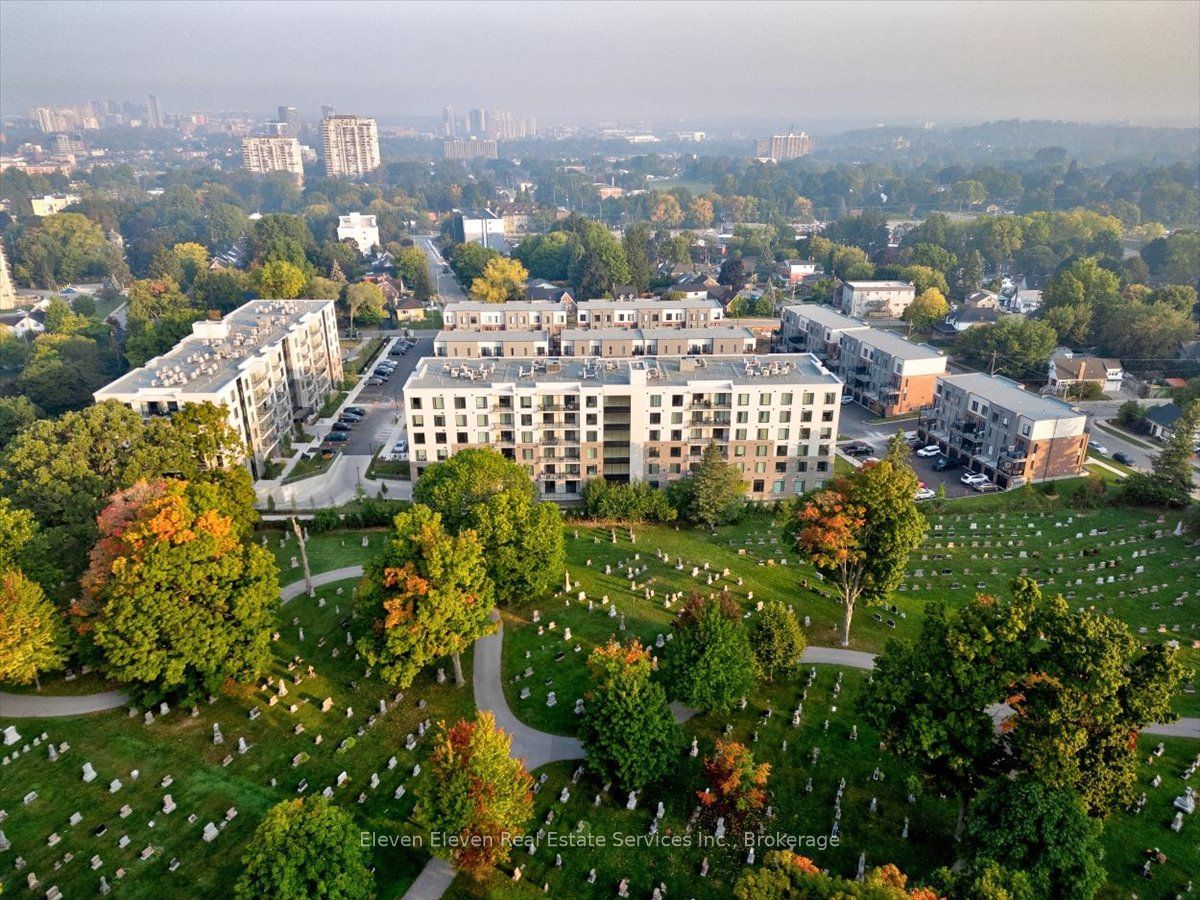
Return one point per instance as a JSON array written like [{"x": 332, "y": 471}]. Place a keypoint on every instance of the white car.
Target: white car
[
  {"x": 846, "y": 398},
  {"x": 925, "y": 494},
  {"x": 930, "y": 450},
  {"x": 1097, "y": 448},
  {"x": 973, "y": 478}
]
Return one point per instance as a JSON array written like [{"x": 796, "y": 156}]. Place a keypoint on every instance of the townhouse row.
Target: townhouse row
[
  {"x": 607, "y": 342},
  {"x": 554, "y": 316}
]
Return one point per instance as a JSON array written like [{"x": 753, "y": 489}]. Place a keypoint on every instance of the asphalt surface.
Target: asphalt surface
[
  {"x": 447, "y": 285},
  {"x": 384, "y": 403}
]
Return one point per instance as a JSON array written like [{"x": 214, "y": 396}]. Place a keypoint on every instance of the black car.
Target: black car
[
  {"x": 944, "y": 463},
  {"x": 1122, "y": 458},
  {"x": 915, "y": 443},
  {"x": 357, "y": 410},
  {"x": 351, "y": 416},
  {"x": 342, "y": 426},
  {"x": 336, "y": 437},
  {"x": 857, "y": 448}
]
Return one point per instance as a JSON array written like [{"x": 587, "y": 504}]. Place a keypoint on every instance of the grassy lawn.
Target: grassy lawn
[
  {"x": 327, "y": 551},
  {"x": 331, "y": 404},
  {"x": 181, "y": 746},
  {"x": 105, "y": 308},
  {"x": 1122, "y": 433},
  {"x": 432, "y": 321},
  {"x": 357, "y": 364},
  {"x": 309, "y": 466},
  {"x": 57, "y": 685}
]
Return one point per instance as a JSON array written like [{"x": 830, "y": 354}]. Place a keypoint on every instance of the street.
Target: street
[
  {"x": 447, "y": 286},
  {"x": 384, "y": 403}
]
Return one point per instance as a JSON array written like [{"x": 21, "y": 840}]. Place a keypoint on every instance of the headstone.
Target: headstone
[
  {"x": 631, "y": 803},
  {"x": 210, "y": 833},
  {"x": 11, "y": 735},
  {"x": 89, "y": 774},
  {"x": 168, "y": 804}
]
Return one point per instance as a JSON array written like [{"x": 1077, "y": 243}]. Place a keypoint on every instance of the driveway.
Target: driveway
[{"x": 384, "y": 403}]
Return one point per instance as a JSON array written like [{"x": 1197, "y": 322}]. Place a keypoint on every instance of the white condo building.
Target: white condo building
[
  {"x": 351, "y": 145},
  {"x": 270, "y": 363},
  {"x": 360, "y": 229},
  {"x": 273, "y": 154},
  {"x": 566, "y": 421}
]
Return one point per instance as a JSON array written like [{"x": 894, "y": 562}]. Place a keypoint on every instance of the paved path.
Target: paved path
[
  {"x": 433, "y": 881},
  {"x": 36, "y": 706},
  {"x": 537, "y": 748}
]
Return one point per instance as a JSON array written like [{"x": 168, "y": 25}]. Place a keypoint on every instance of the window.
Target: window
[
  {"x": 591, "y": 453},
  {"x": 415, "y": 403},
  {"x": 422, "y": 456},
  {"x": 830, "y": 399},
  {"x": 807, "y": 398},
  {"x": 439, "y": 402},
  {"x": 418, "y": 421},
  {"x": 739, "y": 451},
  {"x": 759, "y": 484},
  {"x": 739, "y": 434},
  {"x": 481, "y": 420},
  {"x": 527, "y": 453},
  {"x": 526, "y": 403},
  {"x": 764, "y": 399},
  {"x": 655, "y": 400},
  {"x": 785, "y": 416},
  {"x": 460, "y": 402},
  {"x": 761, "y": 450},
  {"x": 460, "y": 421},
  {"x": 439, "y": 421},
  {"x": 743, "y": 400},
  {"x": 481, "y": 402},
  {"x": 654, "y": 435},
  {"x": 676, "y": 418},
  {"x": 777, "y": 487},
  {"x": 782, "y": 434}
]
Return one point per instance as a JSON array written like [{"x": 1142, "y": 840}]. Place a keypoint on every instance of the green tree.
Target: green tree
[
  {"x": 1014, "y": 346},
  {"x": 469, "y": 477},
  {"x": 364, "y": 301},
  {"x": 788, "y": 876},
  {"x": 65, "y": 369},
  {"x": 192, "y": 258},
  {"x": 1072, "y": 295},
  {"x": 152, "y": 298},
  {"x": 1171, "y": 481},
  {"x": 177, "y": 602},
  {"x": 502, "y": 280},
  {"x": 32, "y": 635},
  {"x": 280, "y": 279},
  {"x": 636, "y": 244},
  {"x": 924, "y": 278},
  {"x": 17, "y": 528},
  {"x": 523, "y": 544},
  {"x": 778, "y": 641},
  {"x": 223, "y": 290},
  {"x": 709, "y": 665},
  {"x": 627, "y": 728},
  {"x": 306, "y": 848},
  {"x": 859, "y": 532},
  {"x": 147, "y": 340},
  {"x": 469, "y": 261},
  {"x": 427, "y": 596},
  {"x": 934, "y": 257},
  {"x": 15, "y": 414},
  {"x": 1128, "y": 329},
  {"x": 323, "y": 289},
  {"x": 477, "y": 792},
  {"x": 282, "y": 238},
  {"x": 926, "y": 310},
  {"x": 65, "y": 247},
  {"x": 712, "y": 494},
  {"x": 1045, "y": 832}
]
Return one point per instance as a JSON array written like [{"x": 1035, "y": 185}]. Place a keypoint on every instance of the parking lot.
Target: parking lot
[
  {"x": 384, "y": 404},
  {"x": 923, "y": 466}
]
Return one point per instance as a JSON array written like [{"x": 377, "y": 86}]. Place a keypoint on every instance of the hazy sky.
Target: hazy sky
[{"x": 789, "y": 62}]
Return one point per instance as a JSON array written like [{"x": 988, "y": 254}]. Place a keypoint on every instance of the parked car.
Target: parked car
[
  {"x": 357, "y": 410},
  {"x": 376, "y": 382},
  {"x": 351, "y": 416},
  {"x": 400, "y": 447},
  {"x": 336, "y": 437},
  {"x": 944, "y": 463},
  {"x": 857, "y": 448},
  {"x": 1122, "y": 458},
  {"x": 970, "y": 478},
  {"x": 342, "y": 426},
  {"x": 1097, "y": 447},
  {"x": 925, "y": 494},
  {"x": 846, "y": 398},
  {"x": 985, "y": 487},
  {"x": 915, "y": 443},
  {"x": 929, "y": 450}
]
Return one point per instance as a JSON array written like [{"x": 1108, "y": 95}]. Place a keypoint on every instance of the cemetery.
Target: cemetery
[{"x": 165, "y": 798}]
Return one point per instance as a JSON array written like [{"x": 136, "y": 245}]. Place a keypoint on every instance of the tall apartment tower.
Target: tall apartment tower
[
  {"x": 351, "y": 145},
  {"x": 477, "y": 122},
  {"x": 153, "y": 114},
  {"x": 289, "y": 119},
  {"x": 273, "y": 154},
  {"x": 785, "y": 146},
  {"x": 449, "y": 129},
  {"x": 327, "y": 112}
]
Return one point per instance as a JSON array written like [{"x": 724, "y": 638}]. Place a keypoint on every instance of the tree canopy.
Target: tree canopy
[{"x": 709, "y": 665}]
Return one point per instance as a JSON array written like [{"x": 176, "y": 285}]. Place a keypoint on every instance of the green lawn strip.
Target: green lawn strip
[
  {"x": 182, "y": 747},
  {"x": 326, "y": 551},
  {"x": 432, "y": 321},
  {"x": 309, "y": 466},
  {"x": 331, "y": 404},
  {"x": 56, "y": 685}
]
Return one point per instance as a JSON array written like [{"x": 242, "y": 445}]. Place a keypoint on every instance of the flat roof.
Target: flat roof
[
  {"x": 1010, "y": 395},
  {"x": 879, "y": 284},
  {"x": 204, "y": 364},
  {"x": 499, "y": 337},
  {"x": 650, "y": 303},
  {"x": 748, "y": 369},
  {"x": 601, "y": 334},
  {"x": 826, "y": 315},
  {"x": 896, "y": 345}
]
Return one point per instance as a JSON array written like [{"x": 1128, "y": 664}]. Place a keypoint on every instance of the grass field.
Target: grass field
[{"x": 181, "y": 746}]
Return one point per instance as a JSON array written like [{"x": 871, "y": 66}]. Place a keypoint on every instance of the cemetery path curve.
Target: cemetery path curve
[
  {"x": 35, "y": 706},
  {"x": 537, "y": 748}
]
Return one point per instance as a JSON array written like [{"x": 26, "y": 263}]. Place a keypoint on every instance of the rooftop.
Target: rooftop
[
  {"x": 878, "y": 285},
  {"x": 1007, "y": 393},
  {"x": 648, "y": 303},
  {"x": 777, "y": 368},
  {"x": 892, "y": 343},
  {"x": 492, "y": 337},
  {"x": 511, "y": 306},
  {"x": 212, "y": 355},
  {"x": 825, "y": 315}
]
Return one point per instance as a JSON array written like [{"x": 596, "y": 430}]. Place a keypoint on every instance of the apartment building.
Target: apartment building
[
  {"x": 995, "y": 426},
  {"x": 351, "y": 145},
  {"x": 270, "y": 363},
  {"x": 516, "y": 315},
  {"x": 811, "y": 328},
  {"x": 784, "y": 146},
  {"x": 467, "y": 344},
  {"x": 625, "y": 342},
  {"x": 887, "y": 374},
  {"x": 458, "y": 148},
  {"x": 876, "y": 299},
  {"x": 480, "y": 226},
  {"x": 642, "y": 419},
  {"x": 649, "y": 313},
  {"x": 261, "y": 155},
  {"x": 361, "y": 229}
]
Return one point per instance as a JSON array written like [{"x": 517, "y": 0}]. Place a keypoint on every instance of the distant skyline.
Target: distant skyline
[{"x": 801, "y": 63}]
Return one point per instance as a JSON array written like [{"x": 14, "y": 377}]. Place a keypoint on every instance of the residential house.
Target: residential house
[
  {"x": 1068, "y": 371},
  {"x": 1162, "y": 419},
  {"x": 876, "y": 299}
]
